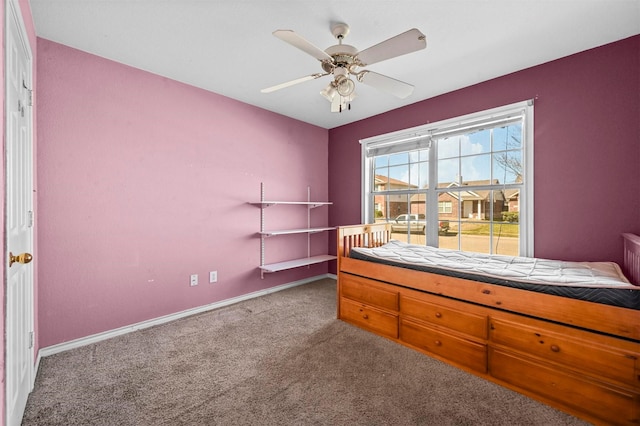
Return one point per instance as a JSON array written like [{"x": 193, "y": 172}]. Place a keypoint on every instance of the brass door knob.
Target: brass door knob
[{"x": 23, "y": 258}]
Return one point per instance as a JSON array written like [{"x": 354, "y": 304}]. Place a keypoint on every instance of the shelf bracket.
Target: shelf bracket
[{"x": 262, "y": 230}]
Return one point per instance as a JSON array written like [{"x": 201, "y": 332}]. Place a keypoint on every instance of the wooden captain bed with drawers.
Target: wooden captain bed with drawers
[{"x": 573, "y": 346}]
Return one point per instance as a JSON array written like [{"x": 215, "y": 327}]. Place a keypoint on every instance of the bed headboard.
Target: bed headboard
[
  {"x": 631, "y": 266},
  {"x": 367, "y": 235}
]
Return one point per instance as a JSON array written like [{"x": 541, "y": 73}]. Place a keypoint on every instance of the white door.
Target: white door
[{"x": 19, "y": 361}]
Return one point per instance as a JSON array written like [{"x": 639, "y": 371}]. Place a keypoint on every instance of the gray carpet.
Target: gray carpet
[{"x": 281, "y": 359}]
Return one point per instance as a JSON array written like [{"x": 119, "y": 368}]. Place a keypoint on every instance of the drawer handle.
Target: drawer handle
[
  {"x": 555, "y": 348},
  {"x": 365, "y": 316},
  {"x": 438, "y": 315},
  {"x": 438, "y": 343}
]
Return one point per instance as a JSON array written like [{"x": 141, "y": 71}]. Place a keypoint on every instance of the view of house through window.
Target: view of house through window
[{"x": 458, "y": 184}]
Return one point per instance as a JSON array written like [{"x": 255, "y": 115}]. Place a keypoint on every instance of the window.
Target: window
[
  {"x": 445, "y": 207},
  {"x": 464, "y": 183}
]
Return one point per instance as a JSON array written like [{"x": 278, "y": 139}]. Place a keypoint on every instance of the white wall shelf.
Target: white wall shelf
[
  {"x": 295, "y": 231},
  {"x": 296, "y": 263},
  {"x": 310, "y": 204},
  {"x": 263, "y": 233}
]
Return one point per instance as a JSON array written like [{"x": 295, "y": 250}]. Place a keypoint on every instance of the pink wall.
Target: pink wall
[
  {"x": 144, "y": 181},
  {"x": 587, "y": 147}
]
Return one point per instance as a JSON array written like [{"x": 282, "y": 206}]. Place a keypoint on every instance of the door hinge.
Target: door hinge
[
  {"x": 30, "y": 219},
  {"x": 30, "y": 339},
  {"x": 29, "y": 91}
]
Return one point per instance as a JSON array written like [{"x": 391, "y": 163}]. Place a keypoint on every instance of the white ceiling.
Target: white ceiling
[{"x": 226, "y": 46}]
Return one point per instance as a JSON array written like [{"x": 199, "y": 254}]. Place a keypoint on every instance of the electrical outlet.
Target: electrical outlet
[
  {"x": 213, "y": 276},
  {"x": 194, "y": 280}
]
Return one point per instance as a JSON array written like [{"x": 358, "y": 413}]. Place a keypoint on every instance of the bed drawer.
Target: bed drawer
[
  {"x": 612, "y": 404},
  {"x": 369, "y": 292},
  {"x": 464, "y": 322},
  {"x": 577, "y": 354},
  {"x": 461, "y": 351},
  {"x": 373, "y": 319}
]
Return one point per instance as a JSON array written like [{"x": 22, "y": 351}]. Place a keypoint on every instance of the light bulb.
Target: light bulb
[{"x": 346, "y": 87}]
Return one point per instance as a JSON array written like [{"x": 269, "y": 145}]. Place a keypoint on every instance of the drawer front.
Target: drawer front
[
  {"x": 369, "y": 318},
  {"x": 611, "y": 404},
  {"x": 464, "y": 352},
  {"x": 464, "y": 322},
  {"x": 369, "y": 292},
  {"x": 574, "y": 353}
]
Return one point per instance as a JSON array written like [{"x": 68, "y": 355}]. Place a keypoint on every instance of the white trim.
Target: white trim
[
  {"x": 364, "y": 179},
  {"x": 95, "y": 338},
  {"x": 425, "y": 130},
  {"x": 527, "y": 227}
]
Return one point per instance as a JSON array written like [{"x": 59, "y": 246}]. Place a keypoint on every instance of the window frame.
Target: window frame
[{"x": 416, "y": 137}]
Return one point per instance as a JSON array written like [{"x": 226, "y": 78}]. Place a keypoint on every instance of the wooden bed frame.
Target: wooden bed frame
[{"x": 581, "y": 357}]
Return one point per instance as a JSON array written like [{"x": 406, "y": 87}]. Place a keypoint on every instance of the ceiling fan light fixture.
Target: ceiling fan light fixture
[
  {"x": 329, "y": 92},
  {"x": 345, "y": 86}
]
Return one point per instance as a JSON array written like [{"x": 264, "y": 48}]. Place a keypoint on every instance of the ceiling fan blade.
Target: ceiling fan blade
[
  {"x": 292, "y": 82},
  {"x": 407, "y": 42},
  {"x": 386, "y": 84},
  {"x": 296, "y": 41}
]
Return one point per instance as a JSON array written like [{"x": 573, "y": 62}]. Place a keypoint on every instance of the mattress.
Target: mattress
[{"x": 598, "y": 282}]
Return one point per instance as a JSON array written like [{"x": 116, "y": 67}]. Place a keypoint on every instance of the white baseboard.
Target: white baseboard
[{"x": 83, "y": 341}]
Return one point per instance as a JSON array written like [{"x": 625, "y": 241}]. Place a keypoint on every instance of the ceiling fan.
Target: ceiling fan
[{"x": 343, "y": 61}]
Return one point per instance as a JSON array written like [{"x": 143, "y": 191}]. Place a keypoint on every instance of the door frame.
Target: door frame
[{"x": 13, "y": 16}]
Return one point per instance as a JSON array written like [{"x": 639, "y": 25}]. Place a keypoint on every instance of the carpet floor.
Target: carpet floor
[{"x": 280, "y": 359}]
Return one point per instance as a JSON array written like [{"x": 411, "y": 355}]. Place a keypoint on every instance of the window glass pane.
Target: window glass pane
[
  {"x": 448, "y": 171},
  {"x": 399, "y": 177},
  {"x": 475, "y": 236},
  {"x": 475, "y": 143},
  {"x": 380, "y": 208},
  {"x": 506, "y": 238},
  {"x": 381, "y": 180},
  {"x": 448, "y": 219},
  {"x": 420, "y": 175},
  {"x": 414, "y": 175},
  {"x": 511, "y": 212},
  {"x": 382, "y": 161},
  {"x": 507, "y": 166},
  {"x": 508, "y": 137},
  {"x": 398, "y": 205},
  {"x": 449, "y": 147},
  {"x": 476, "y": 169},
  {"x": 399, "y": 158},
  {"x": 424, "y": 154},
  {"x": 418, "y": 219},
  {"x": 407, "y": 216}
]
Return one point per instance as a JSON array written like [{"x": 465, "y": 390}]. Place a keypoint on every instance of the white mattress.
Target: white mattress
[{"x": 510, "y": 268}]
